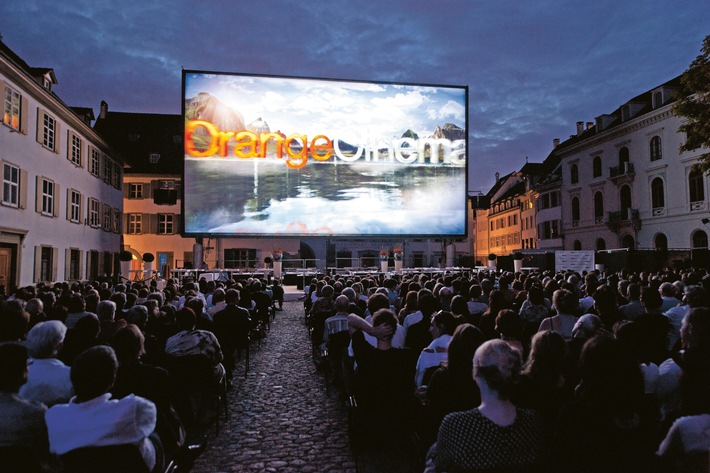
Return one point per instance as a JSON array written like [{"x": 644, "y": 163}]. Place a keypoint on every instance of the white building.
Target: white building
[
  {"x": 61, "y": 203},
  {"x": 626, "y": 185}
]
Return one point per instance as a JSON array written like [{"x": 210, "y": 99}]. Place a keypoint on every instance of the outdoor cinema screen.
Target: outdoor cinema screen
[{"x": 286, "y": 156}]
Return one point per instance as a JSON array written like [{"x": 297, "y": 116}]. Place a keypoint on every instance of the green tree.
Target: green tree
[{"x": 694, "y": 105}]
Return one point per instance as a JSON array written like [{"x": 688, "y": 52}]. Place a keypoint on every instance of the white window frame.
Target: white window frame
[
  {"x": 48, "y": 195},
  {"x": 74, "y": 151},
  {"x": 135, "y": 224},
  {"x": 117, "y": 218},
  {"x": 95, "y": 162},
  {"x": 49, "y": 132},
  {"x": 94, "y": 213},
  {"x": 166, "y": 224},
  {"x": 74, "y": 206},
  {"x": 135, "y": 190},
  {"x": 107, "y": 218},
  {"x": 107, "y": 169},
  {"x": 12, "y": 108},
  {"x": 11, "y": 186}
]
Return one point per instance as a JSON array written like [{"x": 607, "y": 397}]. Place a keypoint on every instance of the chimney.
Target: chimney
[
  {"x": 104, "y": 110},
  {"x": 589, "y": 125},
  {"x": 497, "y": 177},
  {"x": 555, "y": 143},
  {"x": 580, "y": 128}
]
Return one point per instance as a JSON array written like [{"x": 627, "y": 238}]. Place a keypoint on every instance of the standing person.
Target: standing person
[
  {"x": 496, "y": 435},
  {"x": 278, "y": 294}
]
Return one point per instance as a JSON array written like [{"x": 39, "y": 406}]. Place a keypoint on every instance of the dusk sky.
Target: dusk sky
[{"x": 533, "y": 68}]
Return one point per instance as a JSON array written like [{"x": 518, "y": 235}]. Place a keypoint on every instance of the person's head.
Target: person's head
[
  {"x": 605, "y": 299},
  {"x": 695, "y": 296},
  {"x": 442, "y": 323},
  {"x": 106, "y": 310},
  {"x": 88, "y": 326},
  {"x": 231, "y": 296},
  {"x": 427, "y": 302},
  {"x": 586, "y": 326},
  {"x": 185, "y": 319},
  {"x": 497, "y": 365},
  {"x": 342, "y": 303},
  {"x": 218, "y": 296},
  {"x": 93, "y": 372},
  {"x": 376, "y": 302},
  {"x": 45, "y": 339},
  {"x": 385, "y": 317},
  {"x": 76, "y": 304},
  {"x": 459, "y": 306},
  {"x": 464, "y": 343},
  {"x": 651, "y": 299},
  {"x": 13, "y": 321},
  {"x": 509, "y": 323},
  {"x": 667, "y": 289},
  {"x": 547, "y": 356},
  {"x": 129, "y": 343},
  {"x": 536, "y": 296},
  {"x": 327, "y": 291},
  {"x": 13, "y": 369},
  {"x": 695, "y": 328},
  {"x": 138, "y": 314},
  {"x": 34, "y": 306},
  {"x": 633, "y": 292},
  {"x": 565, "y": 301}
]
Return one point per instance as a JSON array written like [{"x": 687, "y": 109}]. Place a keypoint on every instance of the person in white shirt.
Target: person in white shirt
[
  {"x": 48, "y": 380},
  {"x": 442, "y": 329}
]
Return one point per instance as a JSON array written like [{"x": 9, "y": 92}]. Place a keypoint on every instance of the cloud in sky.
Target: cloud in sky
[{"x": 533, "y": 68}]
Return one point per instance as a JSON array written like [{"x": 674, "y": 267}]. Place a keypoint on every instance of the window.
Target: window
[
  {"x": 135, "y": 190},
  {"x": 601, "y": 244},
  {"x": 95, "y": 161},
  {"x": 597, "y": 166},
  {"x": 660, "y": 242},
  {"x": 74, "y": 151},
  {"x": 117, "y": 178},
  {"x": 107, "y": 218},
  {"x": 627, "y": 241},
  {"x": 47, "y": 197},
  {"x": 74, "y": 267},
  {"x": 574, "y": 174},
  {"x": 135, "y": 223},
  {"x": 74, "y": 210},
  {"x": 107, "y": 168},
  {"x": 575, "y": 209},
  {"x": 658, "y": 199},
  {"x": 700, "y": 240},
  {"x": 625, "y": 201},
  {"x": 116, "y": 227},
  {"x": 657, "y": 99},
  {"x": 655, "y": 148},
  {"x": 11, "y": 112},
  {"x": 94, "y": 209},
  {"x": 49, "y": 126},
  {"x": 577, "y": 245},
  {"x": 598, "y": 207},
  {"x": 10, "y": 185},
  {"x": 623, "y": 156},
  {"x": 696, "y": 186},
  {"x": 238, "y": 257},
  {"x": 165, "y": 224},
  {"x": 46, "y": 260}
]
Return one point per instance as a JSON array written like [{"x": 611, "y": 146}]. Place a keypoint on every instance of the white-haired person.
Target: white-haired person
[
  {"x": 496, "y": 435},
  {"x": 48, "y": 378}
]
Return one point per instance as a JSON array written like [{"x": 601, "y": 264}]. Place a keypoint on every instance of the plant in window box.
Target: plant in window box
[
  {"x": 492, "y": 260},
  {"x": 277, "y": 254},
  {"x": 125, "y": 255},
  {"x": 384, "y": 254},
  {"x": 148, "y": 259},
  {"x": 398, "y": 251},
  {"x": 517, "y": 261},
  {"x": 126, "y": 258}
]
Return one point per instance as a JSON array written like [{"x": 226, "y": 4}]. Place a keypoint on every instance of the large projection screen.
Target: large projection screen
[{"x": 288, "y": 156}]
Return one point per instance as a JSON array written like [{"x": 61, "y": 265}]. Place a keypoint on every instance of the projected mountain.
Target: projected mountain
[
  {"x": 449, "y": 132},
  {"x": 207, "y": 107}
]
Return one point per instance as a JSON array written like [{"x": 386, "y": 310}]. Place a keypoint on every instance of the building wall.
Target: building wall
[{"x": 23, "y": 224}]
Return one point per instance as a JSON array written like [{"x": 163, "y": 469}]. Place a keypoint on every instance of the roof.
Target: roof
[{"x": 150, "y": 143}]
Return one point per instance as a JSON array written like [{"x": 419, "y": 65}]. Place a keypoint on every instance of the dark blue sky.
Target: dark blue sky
[{"x": 533, "y": 68}]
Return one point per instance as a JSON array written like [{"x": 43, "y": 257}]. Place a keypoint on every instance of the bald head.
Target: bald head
[{"x": 342, "y": 303}]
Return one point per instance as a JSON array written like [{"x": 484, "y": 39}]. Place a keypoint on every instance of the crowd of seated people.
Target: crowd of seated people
[
  {"x": 88, "y": 365},
  {"x": 588, "y": 372}
]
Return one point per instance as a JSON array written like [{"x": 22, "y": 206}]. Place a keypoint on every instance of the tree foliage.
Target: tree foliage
[{"x": 694, "y": 105}]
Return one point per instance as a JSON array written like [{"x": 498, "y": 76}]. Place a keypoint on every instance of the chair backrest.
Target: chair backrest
[
  {"x": 109, "y": 459},
  {"x": 190, "y": 373},
  {"x": 337, "y": 343},
  {"x": 20, "y": 460}
]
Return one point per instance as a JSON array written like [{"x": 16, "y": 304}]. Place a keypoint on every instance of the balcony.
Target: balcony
[
  {"x": 619, "y": 220},
  {"x": 622, "y": 174}
]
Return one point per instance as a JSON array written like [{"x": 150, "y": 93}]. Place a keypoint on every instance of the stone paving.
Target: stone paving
[{"x": 281, "y": 419}]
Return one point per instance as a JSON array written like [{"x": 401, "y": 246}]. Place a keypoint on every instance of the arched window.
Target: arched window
[
  {"x": 696, "y": 186},
  {"x": 660, "y": 242},
  {"x": 625, "y": 201},
  {"x": 658, "y": 197},
  {"x": 655, "y": 148},
  {"x": 597, "y": 166},
  {"x": 700, "y": 240},
  {"x": 598, "y": 207},
  {"x": 577, "y": 245},
  {"x": 575, "y": 209},
  {"x": 623, "y": 156},
  {"x": 574, "y": 174},
  {"x": 627, "y": 241},
  {"x": 601, "y": 244}
]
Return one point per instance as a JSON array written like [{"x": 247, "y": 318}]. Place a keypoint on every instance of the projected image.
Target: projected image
[{"x": 279, "y": 156}]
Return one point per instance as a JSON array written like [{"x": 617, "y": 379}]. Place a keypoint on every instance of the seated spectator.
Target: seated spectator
[
  {"x": 652, "y": 328},
  {"x": 14, "y": 321},
  {"x": 533, "y": 311},
  {"x": 217, "y": 301},
  {"x": 35, "y": 309},
  {"x": 459, "y": 307},
  {"x": 190, "y": 341},
  {"x": 77, "y": 309},
  {"x": 338, "y": 322},
  {"x": 48, "y": 379},
  {"x": 374, "y": 303},
  {"x": 231, "y": 325},
  {"x": 496, "y": 303},
  {"x": 384, "y": 384},
  {"x": 510, "y": 327},
  {"x": 633, "y": 308},
  {"x": 442, "y": 329},
  {"x": 22, "y": 422},
  {"x": 497, "y": 435},
  {"x": 417, "y": 335},
  {"x": 566, "y": 304},
  {"x": 93, "y": 419},
  {"x": 106, "y": 312},
  {"x": 668, "y": 295},
  {"x": 85, "y": 334}
]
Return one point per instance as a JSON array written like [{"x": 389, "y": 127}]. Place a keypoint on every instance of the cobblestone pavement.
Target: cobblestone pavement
[{"x": 281, "y": 419}]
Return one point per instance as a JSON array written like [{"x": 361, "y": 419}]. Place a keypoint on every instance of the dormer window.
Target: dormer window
[
  {"x": 47, "y": 84},
  {"x": 657, "y": 99},
  {"x": 625, "y": 113}
]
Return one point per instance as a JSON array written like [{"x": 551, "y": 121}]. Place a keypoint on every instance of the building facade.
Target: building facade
[{"x": 61, "y": 206}]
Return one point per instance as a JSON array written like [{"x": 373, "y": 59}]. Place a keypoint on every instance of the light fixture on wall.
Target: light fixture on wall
[{"x": 705, "y": 221}]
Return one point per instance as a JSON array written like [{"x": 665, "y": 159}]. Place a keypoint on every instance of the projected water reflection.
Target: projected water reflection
[{"x": 266, "y": 197}]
